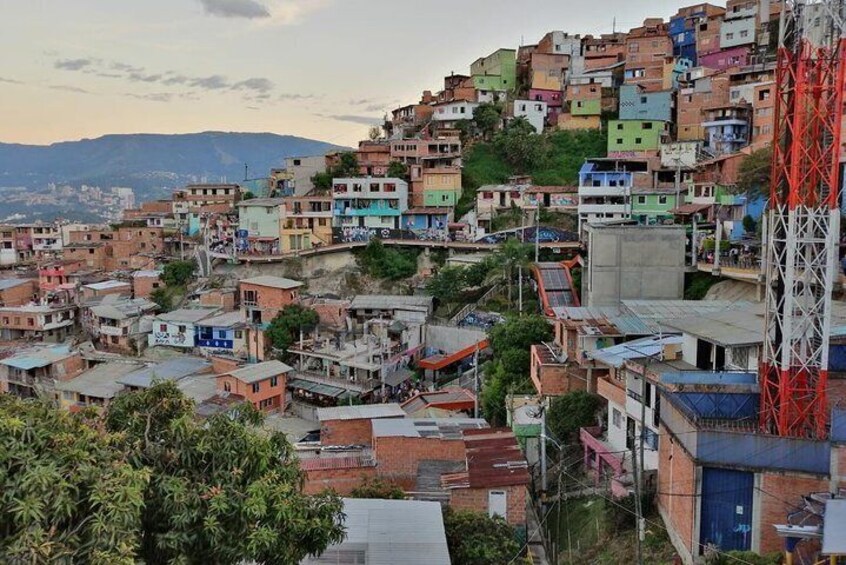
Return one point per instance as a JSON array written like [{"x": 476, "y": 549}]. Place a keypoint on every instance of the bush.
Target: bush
[
  {"x": 382, "y": 263},
  {"x": 474, "y": 538},
  {"x": 378, "y": 488},
  {"x": 570, "y": 412},
  {"x": 179, "y": 273}
]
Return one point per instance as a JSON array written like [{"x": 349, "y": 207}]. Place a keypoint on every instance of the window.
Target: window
[
  {"x": 616, "y": 418},
  {"x": 297, "y": 162},
  {"x": 227, "y": 386},
  {"x": 221, "y": 334},
  {"x": 619, "y": 141},
  {"x": 643, "y": 99},
  {"x": 647, "y": 394},
  {"x": 239, "y": 334},
  {"x": 114, "y": 339},
  {"x": 638, "y": 140},
  {"x": 641, "y": 199},
  {"x": 729, "y": 36},
  {"x": 764, "y": 95},
  {"x": 619, "y": 126},
  {"x": 744, "y": 33},
  {"x": 646, "y": 125},
  {"x": 181, "y": 329},
  {"x": 662, "y": 199},
  {"x": 274, "y": 381}
]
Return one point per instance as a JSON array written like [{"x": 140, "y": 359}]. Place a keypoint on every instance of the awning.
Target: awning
[
  {"x": 689, "y": 209},
  {"x": 437, "y": 362},
  {"x": 317, "y": 388}
]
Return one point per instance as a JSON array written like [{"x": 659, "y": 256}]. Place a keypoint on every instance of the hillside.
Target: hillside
[
  {"x": 563, "y": 153},
  {"x": 150, "y": 163}
]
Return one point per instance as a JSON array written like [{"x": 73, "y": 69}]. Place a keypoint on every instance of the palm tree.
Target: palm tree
[{"x": 510, "y": 256}]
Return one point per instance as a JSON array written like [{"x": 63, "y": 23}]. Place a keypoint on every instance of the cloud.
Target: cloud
[
  {"x": 290, "y": 12},
  {"x": 294, "y": 96},
  {"x": 360, "y": 102},
  {"x": 10, "y": 81},
  {"x": 375, "y": 108},
  {"x": 67, "y": 88},
  {"x": 118, "y": 66},
  {"x": 73, "y": 64},
  {"x": 365, "y": 120},
  {"x": 175, "y": 79},
  {"x": 140, "y": 77},
  {"x": 153, "y": 97},
  {"x": 262, "y": 85},
  {"x": 214, "y": 82},
  {"x": 249, "y": 9},
  {"x": 108, "y": 75}
]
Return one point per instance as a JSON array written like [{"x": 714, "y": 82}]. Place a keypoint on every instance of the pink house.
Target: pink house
[
  {"x": 554, "y": 102},
  {"x": 725, "y": 58}
]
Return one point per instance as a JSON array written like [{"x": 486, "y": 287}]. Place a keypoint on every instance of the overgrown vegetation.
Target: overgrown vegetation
[
  {"x": 381, "y": 262},
  {"x": 474, "y": 538},
  {"x": 754, "y": 173},
  {"x": 285, "y": 328},
  {"x": 377, "y": 487},
  {"x": 696, "y": 285},
  {"x": 551, "y": 158},
  {"x": 149, "y": 483},
  {"x": 508, "y": 370},
  {"x": 570, "y": 412},
  {"x": 176, "y": 275},
  {"x": 346, "y": 167}
]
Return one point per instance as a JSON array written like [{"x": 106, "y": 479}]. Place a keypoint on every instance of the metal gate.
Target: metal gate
[{"x": 726, "y": 511}]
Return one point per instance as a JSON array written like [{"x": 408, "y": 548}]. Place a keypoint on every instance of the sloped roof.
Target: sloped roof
[
  {"x": 494, "y": 459},
  {"x": 363, "y": 412},
  {"x": 260, "y": 371},
  {"x": 171, "y": 370},
  {"x": 273, "y": 282}
]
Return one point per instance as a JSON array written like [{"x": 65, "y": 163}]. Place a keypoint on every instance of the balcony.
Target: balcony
[
  {"x": 604, "y": 190},
  {"x": 113, "y": 330},
  {"x": 602, "y": 461}
]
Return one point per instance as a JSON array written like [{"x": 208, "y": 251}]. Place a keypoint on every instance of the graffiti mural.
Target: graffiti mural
[
  {"x": 543, "y": 234},
  {"x": 357, "y": 234}
]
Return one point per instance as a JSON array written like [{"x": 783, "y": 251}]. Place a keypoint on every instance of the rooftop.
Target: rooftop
[
  {"x": 172, "y": 370},
  {"x": 385, "y": 532},
  {"x": 727, "y": 328},
  {"x": 273, "y": 282},
  {"x": 6, "y": 284},
  {"x": 123, "y": 309},
  {"x": 438, "y": 428},
  {"x": 260, "y": 371},
  {"x": 448, "y": 396},
  {"x": 651, "y": 346},
  {"x": 390, "y": 302},
  {"x": 100, "y": 382},
  {"x": 364, "y": 412},
  {"x": 191, "y": 315},
  {"x": 494, "y": 459},
  {"x": 105, "y": 285},
  {"x": 225, "y": 320},
  {"x": 38, "y": 357},
  {"x": 264, "y": 202}
]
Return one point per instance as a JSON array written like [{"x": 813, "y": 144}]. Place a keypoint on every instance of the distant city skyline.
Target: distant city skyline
[{"x": 322, "y": 69}]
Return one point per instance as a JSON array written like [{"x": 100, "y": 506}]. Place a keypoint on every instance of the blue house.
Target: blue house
[
  {"x": 223, "y": 335},
  {"x": 635, "y": 104},
  {"x": 425, "y": 219}
]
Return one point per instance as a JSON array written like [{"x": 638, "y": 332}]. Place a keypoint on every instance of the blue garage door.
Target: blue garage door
[{"x": 726, "y": 516}]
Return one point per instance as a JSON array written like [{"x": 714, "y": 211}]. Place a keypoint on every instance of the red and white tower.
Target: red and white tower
[{"x": 804, "y": 218}]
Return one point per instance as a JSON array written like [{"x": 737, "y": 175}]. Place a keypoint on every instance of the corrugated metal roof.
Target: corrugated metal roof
[
  {"x": 273, "y": 282},
  {"x": 105, "y": 285},
  {"x": 40, "y": 357},
  {"x": 388, "y": 532},
  {"x": 363, "y": 412},
  {"x": 171, "y": 370},
  {"x": 448, "y": 428},
  {"x": 834, "y": 527},
  {"x": 730, "y": 328},
  {"x": 190, "y": 315},
  {"x": 438, "y": 398},
  {"x": 260, "y": 371},
  {"x": 494, "y": 459},
  {"x": 123, "y": 309},
  {"x": 226, "y": 320},
  {"x": 389, "y": 302},
  {"x": 103, "y": 381},
  {"x": 616, "y": 355}
]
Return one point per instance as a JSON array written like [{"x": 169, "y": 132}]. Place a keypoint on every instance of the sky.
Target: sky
[{"x": 322, "y": 69}]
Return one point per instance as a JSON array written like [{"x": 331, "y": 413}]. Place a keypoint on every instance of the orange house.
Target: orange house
[{"x": 262, "y": 384}]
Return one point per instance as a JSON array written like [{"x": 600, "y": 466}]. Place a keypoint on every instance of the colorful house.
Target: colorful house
[
  {"x": 637, "y": 104},
  {"x": 634, "y": 136},
  {"x": 223, "y": 335},
  {"x": 653, "y": 205},
  {"x": 261, "y": 220},
  {"x": 441, "y": 186},
  {"x": 262, "y": 384},
  {"x": 497, "y": 71},
  {"x": 179, "y": 328},
  {"x": 429, "y": 221},
  {"x": 369, "y": 202}
]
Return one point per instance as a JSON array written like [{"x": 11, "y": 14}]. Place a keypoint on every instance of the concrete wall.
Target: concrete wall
[{"x": 634, "y": 262}]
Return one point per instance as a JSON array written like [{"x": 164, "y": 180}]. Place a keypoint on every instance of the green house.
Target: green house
[
  {"x": 653, "y": 205},
  {"x": 497, "y": 71},
  {"x": 635, "y": 135},
  {"x": 586, "y": 107}
]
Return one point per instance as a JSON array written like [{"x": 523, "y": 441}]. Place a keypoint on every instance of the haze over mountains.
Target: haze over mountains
[{"x": 150, "y": 163}]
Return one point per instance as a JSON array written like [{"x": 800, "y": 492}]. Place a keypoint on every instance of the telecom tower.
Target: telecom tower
[{"x": 804, "y": 218}]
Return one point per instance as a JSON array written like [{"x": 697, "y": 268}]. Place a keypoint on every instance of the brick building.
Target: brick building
[
  {"x": 39, "y": 322},
  {"x": 35, "y": 370},
  {"x": 17, "y": 292},
  {"x": 351, "y": 425},
  {"x": 647, "y": 49},
  {"x": 145, "y": 282},
  {"x": 262, "y": 384},
  {"x": 263, "y": 297}
]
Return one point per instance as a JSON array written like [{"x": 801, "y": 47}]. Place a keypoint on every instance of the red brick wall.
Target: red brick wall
[
  {"x": 342, "y": 481},
  {"x": 399, "y": 457},
  {"x": 19, "y": 295},
  {"x": 143, "y": 287},
  {"x": 222, "y": 298},
  {"x": 476, "y": 499},
  {"x": 779, "y": 495},
  {"x": 677, "y": 488},
  {"x": 270, "y": 300},
  {"x": 346, "y": 432}
]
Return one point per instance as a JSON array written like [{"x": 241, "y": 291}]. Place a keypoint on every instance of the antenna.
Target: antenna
[
  {"x": 246, "y": 172},
  {"x": 614, "y": 25}
]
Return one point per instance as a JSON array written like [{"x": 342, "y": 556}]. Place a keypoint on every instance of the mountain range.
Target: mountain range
[{"x": 152, "y": 164}]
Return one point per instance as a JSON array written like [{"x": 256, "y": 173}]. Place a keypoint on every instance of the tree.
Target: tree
[
  {"x": 754, "y": 173},
  {"x": 749, "y": 224},
  {"x": 378, "y": 488},
  {"x": 475, "y": 538},
  {"x": 66, "y": 495},
  {"x": 285, "y": 328},
  {"x": 520, "y": 146},
  {"x": 488, "y": 118},
  {"x": 163, "y": 299},
  {"x": 248, "y": 195},
  {"x": 397, "y": 170},
  {"x": 570, "y": 412},
  {"x": 382, "y": 263},
  {"x": 221, "y": 490},
  {"x": 519, "y": 333},
  {"x": 447, "y": 284},
  {"x": 322, "y": 181},
  {"x": 179, "y": 273},
  {"x": 374, "y": 133},
  {"x": 510, "y": 256},
  {"x": 347, "y": 165}
]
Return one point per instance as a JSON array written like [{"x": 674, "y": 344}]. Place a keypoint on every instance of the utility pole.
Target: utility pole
[
  {"x": 543, "y": 451},
  {"x": 476, "y": 382},
  {"x": 520, "y": 266},
  {"x": 678, "y": 182},
  {"x": 537, "y": 233}
]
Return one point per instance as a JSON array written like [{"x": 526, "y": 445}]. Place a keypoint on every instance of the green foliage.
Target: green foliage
[
  {"x": 753, "y": 176},
  {"x": 509, "y": 257},
  {"x": 446, "y": 285},
  {"x": 398, "y": 169},
  {"x": 710, "y": 244},
  {"x": 749, "y": 224},
  {"x": 163, "y": 299},
  {"x": 520, "y": 146},
  {"x": 474, "y": 538},
  {"x": 284, "y": 329},
  {"x": 382, "y": 263},
  {"x": 487, "y": 117},
  {"x": 221, "y": 490},
  {"x": 179, "y": 273},
  {"x": 570, "y": 412},
  {"x": 509, "y": 368},
  {"x": 697, "y": 285},
  {"x": 378, "y": 488},
  {"x": 248, "y": 195},
  {"x": 749, "y": 557},
  {"x": 66, "y": 495},
  {"x": 347, "y": 167}
]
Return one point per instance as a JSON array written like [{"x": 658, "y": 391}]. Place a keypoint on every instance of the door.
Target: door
[
  {"x": 497, "y": 503},
  {"x": 726, "y": 509}
]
